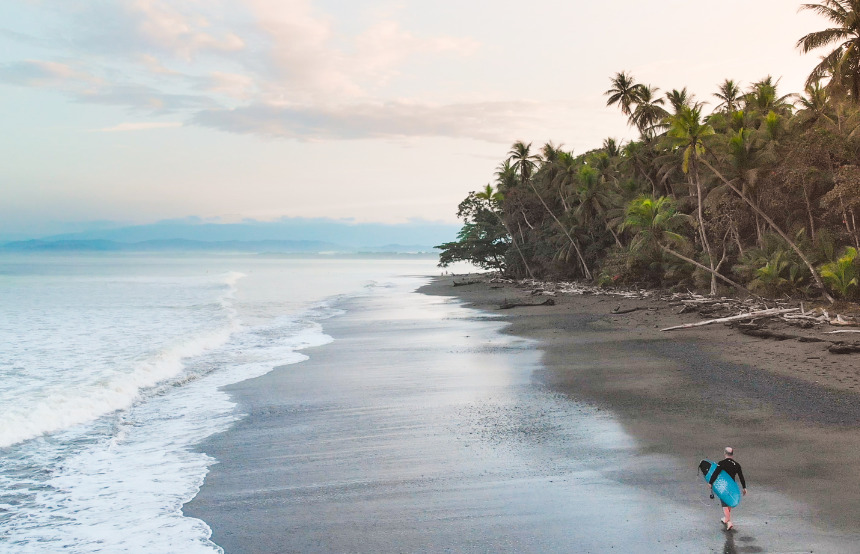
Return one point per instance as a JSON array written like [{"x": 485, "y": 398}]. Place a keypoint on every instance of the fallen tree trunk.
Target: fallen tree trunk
[
  {"x": 751, "y": 315},
  {"x": 617, "y": 311},
  {"x": 844, "y": 349},
  {"x": 775, "y": 335},
  {"x": 508, "y": 305}
]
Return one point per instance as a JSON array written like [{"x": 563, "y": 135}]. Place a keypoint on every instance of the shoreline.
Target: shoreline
[{"x": 791, "y": 409}]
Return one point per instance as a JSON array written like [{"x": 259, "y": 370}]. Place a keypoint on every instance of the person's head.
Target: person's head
[{"x": 729, "y": 452}]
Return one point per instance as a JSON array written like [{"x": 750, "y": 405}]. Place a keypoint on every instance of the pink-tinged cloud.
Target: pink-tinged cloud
[
  {"x": 487, "y": 121},
  {"x": 163, "y": 25}
]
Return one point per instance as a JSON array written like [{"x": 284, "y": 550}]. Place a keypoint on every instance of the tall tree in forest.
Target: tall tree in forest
[
  {"x": 521, "y": 159},
  {"x": 818, "y": 282},
  {"x": 649, "y": 111},
  {"x": 842, "y": 64},
  {"x": 729, "y": 94},
  {"x": 687, "y": 132},
  {"x": 655, "y": 224},
  {"x": 624, "y": 92}
]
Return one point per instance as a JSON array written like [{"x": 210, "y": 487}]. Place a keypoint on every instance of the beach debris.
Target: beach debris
[
  {"x": 508, "y": 305},
  {"x": 839, "y": 320},
  {"x": 841, "y": 348},
  {"x": 619, "y": 311},
  {"x": 776, "y": 335},
  {"x": 750, "y": 315},
  {"x": 463, "y": 283},
  {"x": 843, "y": 331}
]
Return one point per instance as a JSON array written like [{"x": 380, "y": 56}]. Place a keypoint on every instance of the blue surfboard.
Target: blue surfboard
[{"x": 723, "y": 486}]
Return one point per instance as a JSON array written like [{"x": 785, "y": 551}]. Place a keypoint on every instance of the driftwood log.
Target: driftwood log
[
  {"x": 844, "y": 349},
  {"x": 751, "y": 315},
  {"x": 619, "y": 311},
  {"x": 775, "y": 335},
  {"x": 508, "y": 305}
]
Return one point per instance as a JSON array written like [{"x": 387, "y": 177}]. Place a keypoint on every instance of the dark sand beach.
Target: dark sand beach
[{"x": 427, "y": 426}]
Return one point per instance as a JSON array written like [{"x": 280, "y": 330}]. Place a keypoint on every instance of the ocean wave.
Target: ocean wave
[{"x": 65, "y": 405}]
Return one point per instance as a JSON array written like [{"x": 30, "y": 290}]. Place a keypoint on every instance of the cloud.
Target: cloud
[
  {"x": 143, "y": 126},
  {"x": 268, "y": 67},
  {"x": 165, "y": 26},
  {"x": 234, "y": 85},
  {"x": 307, "y": 60},
  {"x": 489, "y": 121},
  {"x": 146, "y": 99},
  {"x": 46, "y": 74}
]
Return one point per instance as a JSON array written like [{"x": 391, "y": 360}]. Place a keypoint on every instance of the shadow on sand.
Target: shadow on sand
[{"x": 740, "y": 544}]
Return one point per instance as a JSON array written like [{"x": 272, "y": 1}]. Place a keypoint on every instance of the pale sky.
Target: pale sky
[{"x": 376, "y": 110}]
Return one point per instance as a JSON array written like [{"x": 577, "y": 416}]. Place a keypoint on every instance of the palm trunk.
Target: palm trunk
[
  {"x": 809, "y": 211},
  {"x": 564, "y": 230},
  {"x": 703, "y": 232},
  {"x": 517, "y": 246},
  {"x": 700, "y": 266},
  {"x": 854, "y": 224},
  {"x": 776, "y": 228}
]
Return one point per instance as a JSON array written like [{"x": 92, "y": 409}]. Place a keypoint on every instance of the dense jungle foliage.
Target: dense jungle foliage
[{"x": 761, "y": 194}]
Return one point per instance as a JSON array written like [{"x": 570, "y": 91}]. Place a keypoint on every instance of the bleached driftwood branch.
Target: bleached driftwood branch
[{"x": 751, "y": 315}]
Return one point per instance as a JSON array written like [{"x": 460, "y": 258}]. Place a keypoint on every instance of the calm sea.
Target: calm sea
[{"x": 110, "y": 369}]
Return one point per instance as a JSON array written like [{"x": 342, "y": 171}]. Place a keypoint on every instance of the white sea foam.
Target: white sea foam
[
  {"x": 78, "y": 400},
  {"x": 110, "y": 373}
]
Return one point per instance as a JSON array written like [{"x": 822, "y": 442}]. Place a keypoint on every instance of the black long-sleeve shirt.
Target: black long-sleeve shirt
[{"x": 733, "y": 469}]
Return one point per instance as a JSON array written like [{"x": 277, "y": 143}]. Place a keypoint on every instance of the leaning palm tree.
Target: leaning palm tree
[
  {"x": 624, "y": 92},
  {"x": 495, "y": 200},
  {"x": 520, "y": 158},
  {"x": 655, "y": 224},
  {"x": 842, "y": 65},
  {"x": 792, "y": 244}
]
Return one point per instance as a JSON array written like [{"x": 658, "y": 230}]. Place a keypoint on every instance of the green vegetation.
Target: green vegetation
[{"x": 760, "y": 194}]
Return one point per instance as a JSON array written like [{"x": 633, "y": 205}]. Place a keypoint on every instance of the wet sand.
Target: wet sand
[
  {"x": 791, "y": 409},
  {"x": 429, "y": 427}
]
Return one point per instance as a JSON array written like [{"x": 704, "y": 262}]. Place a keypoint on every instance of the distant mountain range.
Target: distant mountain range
[
  {"x": 283, "y": 236},
  {"x": 180, "y": 245}
]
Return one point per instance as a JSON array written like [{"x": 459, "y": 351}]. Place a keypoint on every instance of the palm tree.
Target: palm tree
[
  {"x": 649, "y": 111},
  {"x": 818, "y": 282},
  {"x": 729, "y": 94},
  {"x": 624, "y": 92},
  {"x": 611, "y": 147},
  {"x": 816, "y": 105},
  {"x": 764, "y": 98},
  {"x": 687, "y": 132},
  {"x": 495, "y": 199},
  {"x": 655, "y": 224},
  {"x": 523, "y": 161},
  {"x": 842, "y": 64},
  {"x": 595, "y": 198},
  {"x": 680, "y": 99}
]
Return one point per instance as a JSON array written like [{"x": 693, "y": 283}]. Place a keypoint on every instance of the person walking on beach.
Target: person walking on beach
[{"x": 730, "y": 466}]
